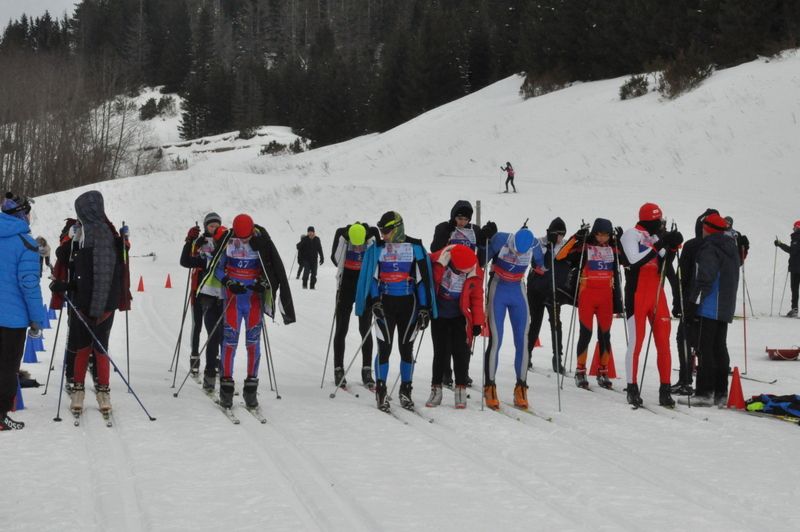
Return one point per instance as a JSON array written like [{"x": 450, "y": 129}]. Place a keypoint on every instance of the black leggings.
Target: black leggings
[
  {"x": 712, "y": 371},
  {"x": 795, "y": 284},
  {"x": 344, "y": 309},
  {"x": 400, "y": 314},
  {"x": 211, "y": 310},
  {"x": 510, "y": 179},
  {"x": 450, "y": 337},
  {"x": 536, "y": 305},
  {"x": 12, "y": 345}
]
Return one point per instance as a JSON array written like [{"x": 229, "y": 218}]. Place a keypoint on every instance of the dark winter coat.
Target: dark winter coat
[
  {"x": 444, "y": 230},
  {"x": 793, "y": 250},
  {"x": 716, "y": 278},
  {"x": 309, "y": 249}
]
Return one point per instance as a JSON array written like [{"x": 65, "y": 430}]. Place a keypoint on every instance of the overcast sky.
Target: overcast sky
[{"x": 13, "y": 9}]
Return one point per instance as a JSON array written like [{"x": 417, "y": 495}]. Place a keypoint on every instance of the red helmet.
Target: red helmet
[
  {"x": 650, "y": 212},
  {"x": 242, "y": 226},
  {"x": 797, "y": 225}
]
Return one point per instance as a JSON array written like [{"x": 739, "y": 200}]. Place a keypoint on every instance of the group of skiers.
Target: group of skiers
[{"x": 397, "y": 286}]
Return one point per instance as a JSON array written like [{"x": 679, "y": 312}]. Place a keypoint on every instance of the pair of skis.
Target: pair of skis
[
  {"x": 231, "y": 415},
  {"x": 77, "y": 416}
]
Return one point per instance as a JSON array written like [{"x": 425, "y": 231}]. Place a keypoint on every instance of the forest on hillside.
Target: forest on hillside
[{"x": 330, "y": 69}]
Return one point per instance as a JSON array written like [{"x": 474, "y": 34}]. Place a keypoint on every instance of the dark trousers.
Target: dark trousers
[
  {"x": 86, "y": 345},
  {"x": 309, "y": 268},
  {"x": 197, "y": 325},
  {"x": 401, "y": 315},
  {"x": 344, "y": 309},
  {"x": 450, "y": 339},
  {"x": 510, "y": 179},
  {"x": 210, "y": 309},
  {"x": 686, "y": 338},
  {"x": 12, "y": 345},
  {"x": 795, "y": 283},
  {"x": 73, "y": 323},
  {"x": 712, "y": 371},
  {"x": 536, "y": 305}
]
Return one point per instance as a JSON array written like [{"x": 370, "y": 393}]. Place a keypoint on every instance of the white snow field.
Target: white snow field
[{"x": 340, "y": 464}]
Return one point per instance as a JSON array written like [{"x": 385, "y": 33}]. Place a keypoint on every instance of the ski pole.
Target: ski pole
[
  {"x": 414, "y": 363},
  {"x": 61, "y": 386},
  {"x": 682, "y": 325},
  {"x": 294, "y": 259},
  {"x": 352, "y": 361},
  {"x": 621, "y": 288},
  {"x": 202, "y": 349},
  {"x": 127, "y": 290},
  {"x": 330, "y": 339},
  {"x": 744, "y": 317},
  {"x": 555, "y": 332},
  {"x": 655, "y": 314},
  {"x": 774, "y": 268},
  {"x": 784, "y": 292},
  {"x": 53, "y": 355},
  {"x": 174, "y": 362},
  {"x": 570, "y": 336},
  {"x": 270, "y": 361},
  {"x": 105, "y": 352}
]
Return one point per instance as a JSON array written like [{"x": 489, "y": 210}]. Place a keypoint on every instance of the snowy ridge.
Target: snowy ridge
[{"x": 322, "y": 464}]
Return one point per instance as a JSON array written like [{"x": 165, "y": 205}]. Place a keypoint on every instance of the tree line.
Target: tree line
[{"x": 335, "y": 69}]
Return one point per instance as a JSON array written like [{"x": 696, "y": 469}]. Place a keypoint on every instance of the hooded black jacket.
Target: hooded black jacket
[
  {"x": 716, "y": 278},
  {"x": 793, "y": 250}
]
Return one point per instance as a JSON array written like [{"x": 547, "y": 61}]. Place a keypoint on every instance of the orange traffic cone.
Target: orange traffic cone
[
  {"x": 735, "y": 395},
  {"x": 168, "y": 283},
  {"x": 141, "y": 285}
]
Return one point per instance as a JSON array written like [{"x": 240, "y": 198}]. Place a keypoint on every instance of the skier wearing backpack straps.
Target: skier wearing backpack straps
[
  {"x": 395, "y": 282},
  {"x": 206, "y": 300},
  {"x": 349, "y": 245},
  {"x": 648, "y": 249},
  {"x": 510, "y": 254},
  {"x": 599, "y": 293},
  {"x": 249, "y": 267}
]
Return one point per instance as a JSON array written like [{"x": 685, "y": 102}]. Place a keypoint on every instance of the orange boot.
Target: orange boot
[
  {"x": 490, "y": 396},
  {"x": 521, "y": 395}
]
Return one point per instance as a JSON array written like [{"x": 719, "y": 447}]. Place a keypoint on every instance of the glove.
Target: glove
[
  {"x": 423, "y": 319},
  {"x": 673, "y": 239},
  {"x": 582, "y": 233},
  {"x": 34, "y": 331},
  {"x": 676, "y": 311},
  {"x": 235, "y": 286},
  {"x": 377, "y": 311},
  {"x": 75, "y": 232},
  {"x": 321, "y": 260},
  {"x": 744, "y": 246},
  {"x": 488, "y": 230},
  {"x": 62, "y": 286},
  {"x": 552, "y": 238},
  {"x": 259, "y": 286},
  {"x": 124, "y": 231},
  {"x": 618, "y": 233},
  {"x": 476, "y": 330},
  {"x": 777, "y": 242},
  {"x": 192, "y": 235}
]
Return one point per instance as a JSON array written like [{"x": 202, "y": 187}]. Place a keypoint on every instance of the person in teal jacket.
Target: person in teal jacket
[
  {"x": 20, "y": 298},
  {"x": 395, "y": 282}
]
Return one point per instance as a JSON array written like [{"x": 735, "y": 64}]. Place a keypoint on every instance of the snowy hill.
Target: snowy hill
[{"x": 322, "y": 464}]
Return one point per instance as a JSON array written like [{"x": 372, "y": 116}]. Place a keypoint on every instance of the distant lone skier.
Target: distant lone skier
[{"x": 509, "y": 170}]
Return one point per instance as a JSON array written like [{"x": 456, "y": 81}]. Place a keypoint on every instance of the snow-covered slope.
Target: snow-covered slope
[{"x": 340, "y": 464}]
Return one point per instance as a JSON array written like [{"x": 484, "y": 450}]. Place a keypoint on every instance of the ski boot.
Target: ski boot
[
  {"x": 6, "y": 423},
  {"x": 461, "y": 396},
  {"x": 664, "y": 397},
  {"x": 558, "y": 364},
  {"x": 194, "y": 364},
  {"x": 468, "y": 381},
  {"x": 490, "y": 396},
  {"x": 366, "y": 378},
  {"x": 76, "y": 399},
  {"x": 380, "y": 395},
  {"x": 604, "y": 382},
  {"x": 405, "y": 396},
  {"x": 447, "y": 381},
  {"x": 720, "y": 400},
  {"x": 792, "y": 313},
  {"x": 209, "y": 381},
  {"x": 69, "y": 386},
  {"x": 338, "y": 378},
  {"x": 580, "y": 379},
  {"x": 436, "y": 396},
  {"x": 226, "y": 392},
  {"x": 250, "y": 392},
  {"x": 703, "y": 399},
  {"x": 634, "y": 399},
  {"x": 103, "y": 398},
  {"x": 521, "y": 395}
]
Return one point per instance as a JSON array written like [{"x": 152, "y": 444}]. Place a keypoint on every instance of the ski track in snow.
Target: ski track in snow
[{"x": 322, "y": 464}]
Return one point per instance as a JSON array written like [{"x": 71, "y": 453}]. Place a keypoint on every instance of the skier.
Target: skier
[
  {"x": 713, "y": 301},
  {"x": 308, "y": 249},
  {"x": 647, "y": 254},
  {"x": 459, "y": 230},
  {"x": 793, "y": 250},
  {"x": 459, "y": 299},
  {"x": 509, "y": 170},
  {"x": 20, "y": 298},
  {"x": 206, "y": 300},
  {"x": 511, "y": 254},
  {"x": 540, "y": 293},
  {"x": 247, "y": 264},
  {"x": 349, "y": 245},
  {"x": 395, "y": 282},
  {"x": 599, "y": 294},
  {"x": 98, "y": 289},
  {"x": 688, "y": 326}
]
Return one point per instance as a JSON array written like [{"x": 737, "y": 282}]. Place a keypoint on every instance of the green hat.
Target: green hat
[{"x": 357, "y": 234}]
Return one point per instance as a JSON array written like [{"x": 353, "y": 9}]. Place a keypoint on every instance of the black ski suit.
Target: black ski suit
[{"x": 308, "y": 249}]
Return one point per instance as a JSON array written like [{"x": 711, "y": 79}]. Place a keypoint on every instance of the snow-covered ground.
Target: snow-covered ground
[{"x": 323, "y": 464}]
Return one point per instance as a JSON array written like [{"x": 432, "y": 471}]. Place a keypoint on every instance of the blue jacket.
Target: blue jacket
[
  {"x": 20, "y": 294},
  {"x": 716, "y": 278}
]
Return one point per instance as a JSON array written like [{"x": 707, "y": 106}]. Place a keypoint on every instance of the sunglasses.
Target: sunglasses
[{"x": 386, "y": 230}]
